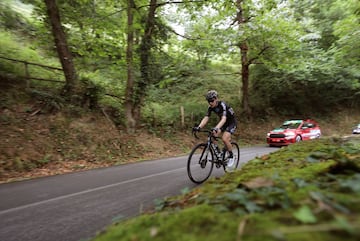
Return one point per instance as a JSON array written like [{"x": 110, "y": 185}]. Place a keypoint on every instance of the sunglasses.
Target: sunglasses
[{"x": 211, "y": 100}]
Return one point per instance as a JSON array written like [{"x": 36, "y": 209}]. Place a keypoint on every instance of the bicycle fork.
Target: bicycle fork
[{"x": 204, "y": 157}]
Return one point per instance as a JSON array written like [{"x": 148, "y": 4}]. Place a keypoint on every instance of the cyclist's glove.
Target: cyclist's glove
[{"x": 196, "y": 128}]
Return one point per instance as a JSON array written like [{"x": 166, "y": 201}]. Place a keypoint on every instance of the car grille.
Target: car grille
[{"x": 277, "y": 135}]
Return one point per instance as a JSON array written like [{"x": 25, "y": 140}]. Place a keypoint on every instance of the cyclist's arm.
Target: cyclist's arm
[
  {"x": 221, "y": 122},
  {"x": 204, "y": 121}
]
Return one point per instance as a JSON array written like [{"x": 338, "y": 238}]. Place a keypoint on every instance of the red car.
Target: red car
[{"x": 292, "y": 131}]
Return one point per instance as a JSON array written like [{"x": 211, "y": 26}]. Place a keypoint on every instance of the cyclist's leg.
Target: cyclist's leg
[
  {"x": 231, "y": 161},
  {"x": 226, "y": 137}
]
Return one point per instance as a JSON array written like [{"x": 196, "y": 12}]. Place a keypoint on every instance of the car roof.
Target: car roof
[
  {"x": 292, "y": 121},
  {"x": 299, "y": 121}
]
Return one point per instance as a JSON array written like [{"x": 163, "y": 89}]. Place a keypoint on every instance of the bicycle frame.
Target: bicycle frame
[{"x": 209, "y": 147}]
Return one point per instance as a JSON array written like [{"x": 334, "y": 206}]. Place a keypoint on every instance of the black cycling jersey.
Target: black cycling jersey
[{"x": 222, "y": 109}]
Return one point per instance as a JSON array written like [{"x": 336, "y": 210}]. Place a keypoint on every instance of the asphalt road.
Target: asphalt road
[{"x": 76, "y": 206}]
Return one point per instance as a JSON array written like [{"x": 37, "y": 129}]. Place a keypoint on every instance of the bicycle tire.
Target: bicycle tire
[
  {"x": 200, "y": 163},
  {"x": 236, "y": 155}
]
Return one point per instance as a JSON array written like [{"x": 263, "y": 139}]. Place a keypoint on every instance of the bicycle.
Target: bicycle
[{"x": 203, "y": 156}]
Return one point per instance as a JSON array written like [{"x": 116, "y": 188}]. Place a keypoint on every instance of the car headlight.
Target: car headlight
[{"x": 268, "y": 134}]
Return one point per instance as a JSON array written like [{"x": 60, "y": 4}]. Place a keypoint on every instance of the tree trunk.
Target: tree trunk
[
  {"x": 64, "y": 54},
  {"x": 145, "y": 48},
  {"x": 245, "y": 79},
  {"x": 129, "y": 100},
  {"x": 245, "y": 63},
  {"x": 136, "y": 90}
]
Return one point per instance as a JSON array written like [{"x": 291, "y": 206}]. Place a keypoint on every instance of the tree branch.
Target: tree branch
[
  {"x": 252, "y": 60},
  {"x": 173, "y": 2},
  {"x": 183, "y": 36}
]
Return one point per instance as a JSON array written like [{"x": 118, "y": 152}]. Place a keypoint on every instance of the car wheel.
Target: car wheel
[{"x": 298, "y": 139}]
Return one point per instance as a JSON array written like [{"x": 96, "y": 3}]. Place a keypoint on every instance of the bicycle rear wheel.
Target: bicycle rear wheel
[
  {"x": 200, "y": 163},
  {"x": 236, "y": 156}
]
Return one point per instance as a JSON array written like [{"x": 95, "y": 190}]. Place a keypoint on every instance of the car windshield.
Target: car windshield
[{"x": 290, "y": 124}]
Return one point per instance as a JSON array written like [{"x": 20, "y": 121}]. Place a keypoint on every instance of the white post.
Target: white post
[{"x": 182, "y": 116}]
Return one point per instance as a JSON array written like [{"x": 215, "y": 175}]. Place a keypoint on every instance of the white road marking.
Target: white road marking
[{"x": 86, "y": 191}]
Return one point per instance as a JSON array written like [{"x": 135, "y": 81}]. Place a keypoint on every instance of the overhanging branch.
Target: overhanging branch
[{"x": 252, "y": 60}]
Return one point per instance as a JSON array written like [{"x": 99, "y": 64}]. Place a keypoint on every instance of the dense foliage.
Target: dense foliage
[{"x": 302, "y": 55}]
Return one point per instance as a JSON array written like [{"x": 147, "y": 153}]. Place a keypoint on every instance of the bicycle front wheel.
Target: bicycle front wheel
[{"x": 200, "y": 163}]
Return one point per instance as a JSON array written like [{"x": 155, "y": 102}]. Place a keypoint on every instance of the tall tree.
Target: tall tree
[
  {"x": 129, "y": 93},
  {"x": 145, "y": 49},
  {"x": 242, "y": 19},
  {"x": 62, "y": 48},
  {"x": 249, "y": 33},
  {"x": 136, "y": 90}
]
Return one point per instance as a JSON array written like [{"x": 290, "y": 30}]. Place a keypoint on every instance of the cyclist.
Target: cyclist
[{"x": 226, "y": 125}]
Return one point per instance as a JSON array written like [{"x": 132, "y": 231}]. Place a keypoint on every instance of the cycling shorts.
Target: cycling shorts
[{"x": 229, "y": 128}]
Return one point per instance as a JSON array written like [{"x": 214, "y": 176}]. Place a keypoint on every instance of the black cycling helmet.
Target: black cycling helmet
[{"x": 211, "y": 94}]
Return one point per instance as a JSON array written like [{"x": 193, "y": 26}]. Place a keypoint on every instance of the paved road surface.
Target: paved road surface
[{"x": 76, "y": 206}]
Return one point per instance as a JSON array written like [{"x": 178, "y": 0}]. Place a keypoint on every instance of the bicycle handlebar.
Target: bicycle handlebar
[{"x": 210, "y": 132}]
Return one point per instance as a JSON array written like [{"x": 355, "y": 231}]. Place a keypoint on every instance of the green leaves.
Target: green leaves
[
  {"x": 305, "y": 215},
  {"x": 255, "y": 199},
  {"x": 351, "y": 184}
]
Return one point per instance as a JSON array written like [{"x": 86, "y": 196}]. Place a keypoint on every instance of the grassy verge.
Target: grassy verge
[{"x": 307, "y": 191}]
